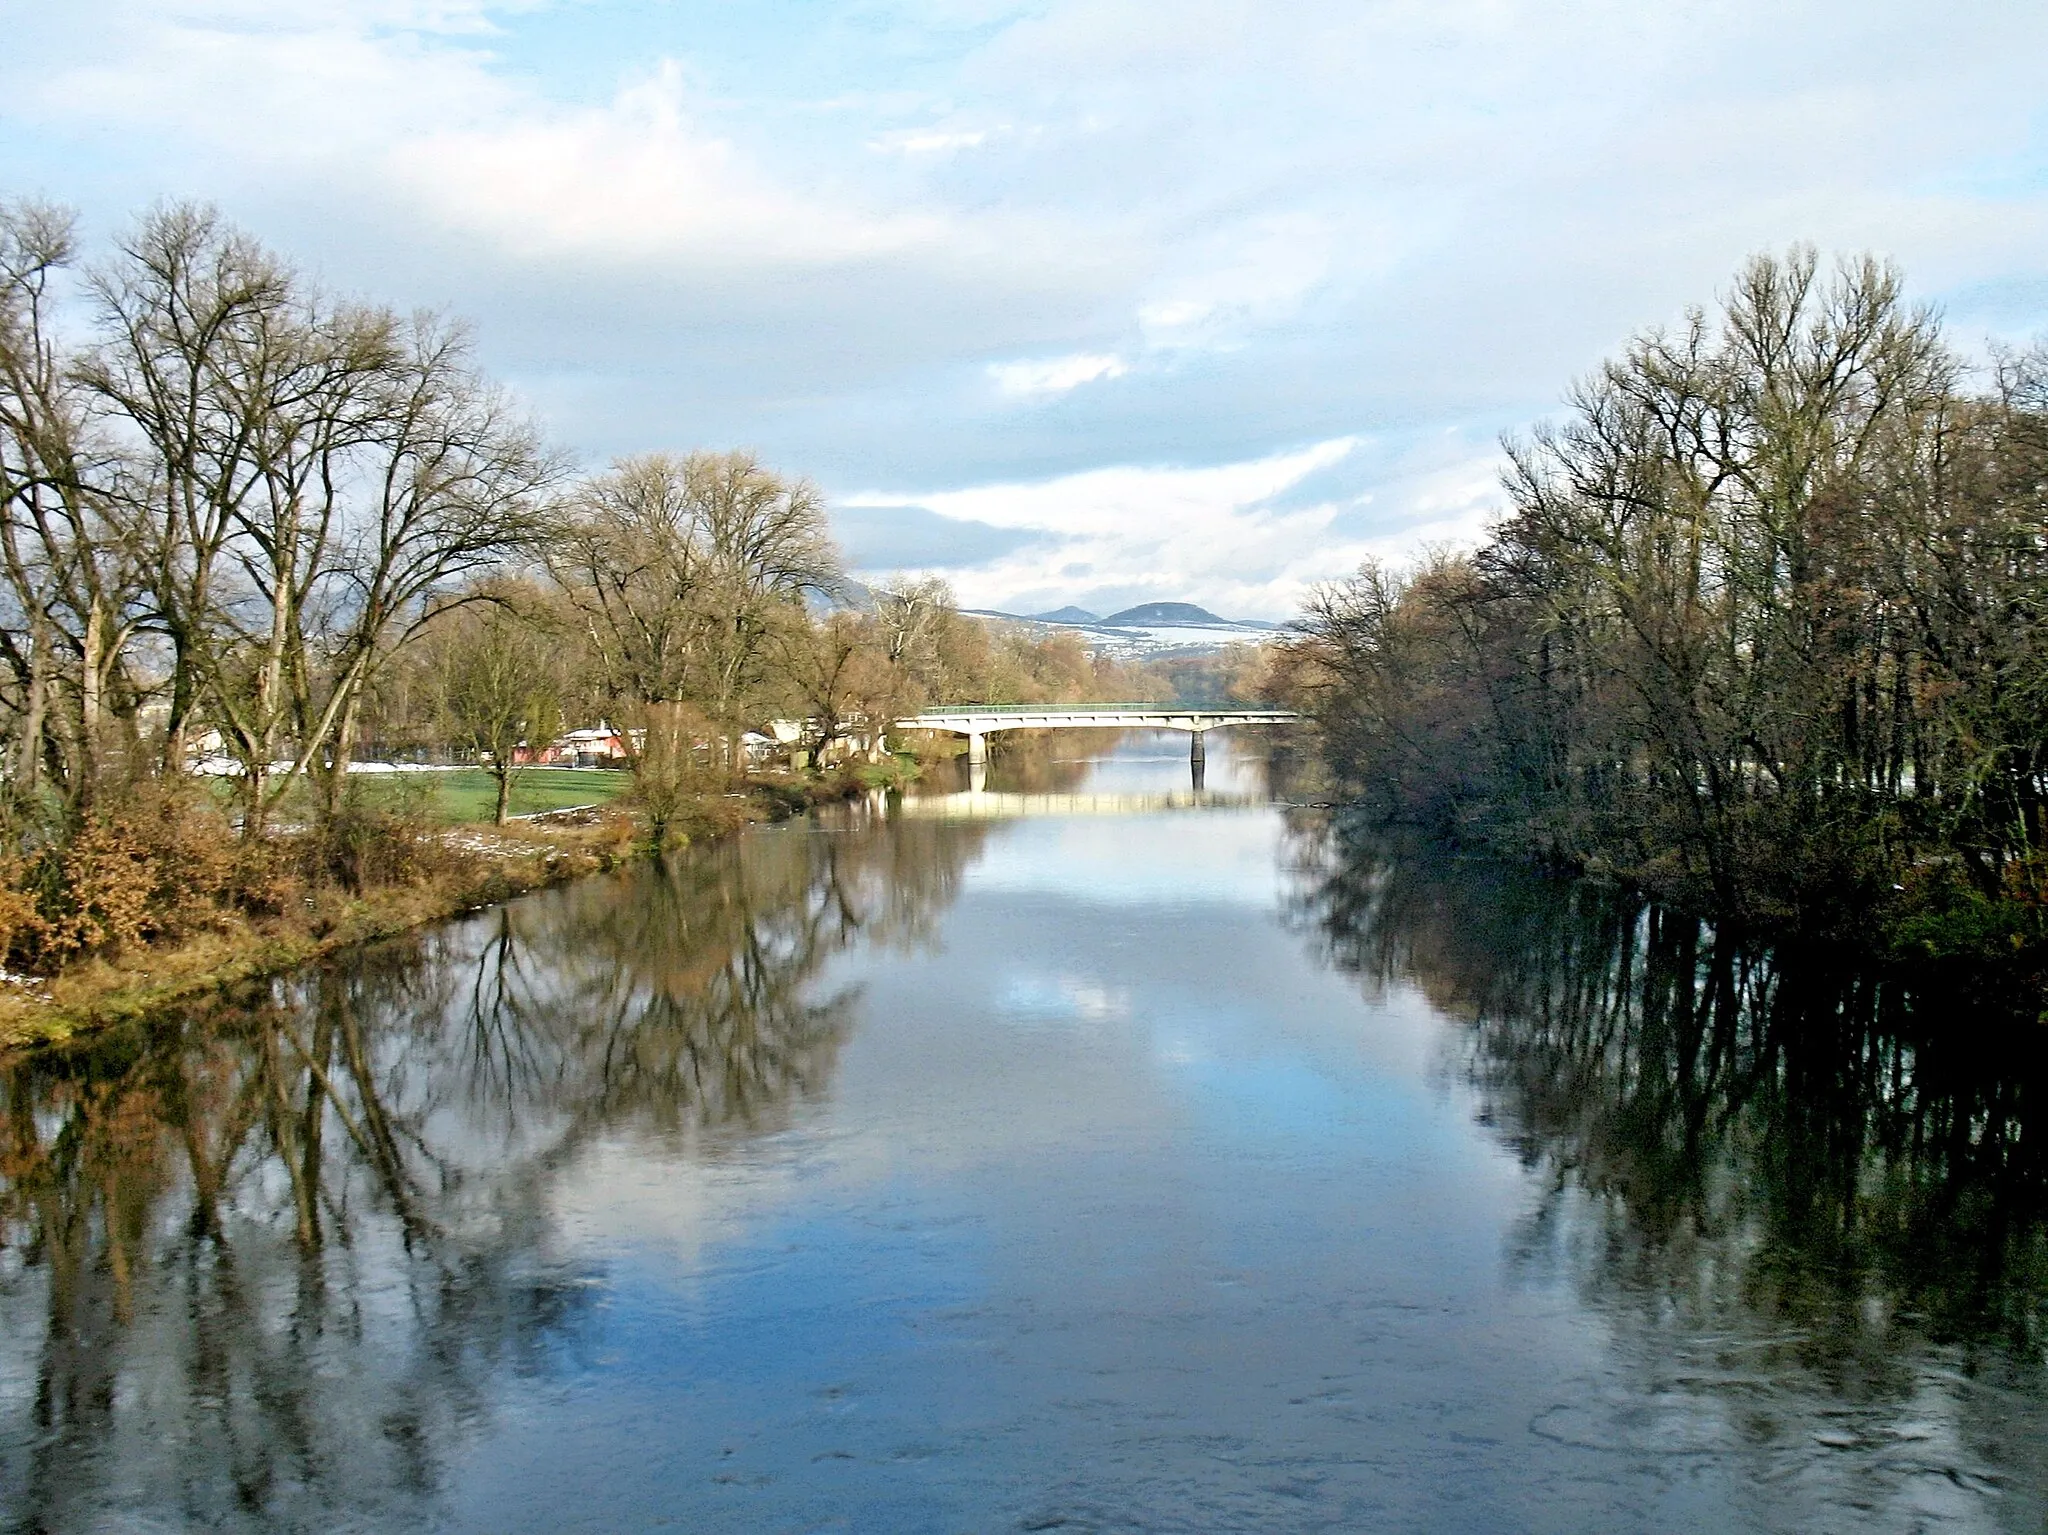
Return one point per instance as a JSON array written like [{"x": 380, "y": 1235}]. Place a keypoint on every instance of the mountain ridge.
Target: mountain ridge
[
  {"x": 1165, "y": 613},
  {"x": 1146, "y": 631}
]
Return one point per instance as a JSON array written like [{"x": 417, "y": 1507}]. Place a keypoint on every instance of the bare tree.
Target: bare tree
[
  {"x": 682, "y": 571},
  {"x": 840, "y": 670},
  {"x": 914, "y": 615},
  {"x": 311, "y": 474},
  {"x": 770, "y": 544},
  {"x": 70, "y": 576},
  {"x": 196, "y": 356},
  {"x": 454, "y": 481},
  {"x": 631, "y": 560},
  {"x": 1763, "y": 628},
  {"x": 500, "y": 683}
]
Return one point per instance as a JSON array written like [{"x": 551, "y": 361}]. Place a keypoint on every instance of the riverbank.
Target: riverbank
[
  {"x": 472, "y": 866},
  {"x": 481, "y": 866},
  {"x": 1935, "y": 936}
]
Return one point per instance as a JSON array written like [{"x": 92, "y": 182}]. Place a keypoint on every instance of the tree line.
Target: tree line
[
  {"x": 1761, "y": 628},
  {"x": 246, "y": 519}
]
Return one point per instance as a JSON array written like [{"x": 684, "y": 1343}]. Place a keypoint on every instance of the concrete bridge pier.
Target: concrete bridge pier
[
  {"x": 1198, "y": 758},
  {"x": 977, "y": 748}
]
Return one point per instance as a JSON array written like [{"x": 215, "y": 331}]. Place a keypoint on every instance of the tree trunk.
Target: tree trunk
[
  {"x": 256, "y": 796},
  {"x": 503, "y": 770},
  {"x": 91, "y": 677},
  {"x": 344, "y": 752},
  {"x": 182, "y": 692},
  {"x": 31, "y": 755}
]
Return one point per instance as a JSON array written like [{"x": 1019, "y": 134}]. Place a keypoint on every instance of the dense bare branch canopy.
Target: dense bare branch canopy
[
  {"x": 229, "y": 507},
  {"x": 1763, "y": 623},
  {"x": 682, "y": 568}
]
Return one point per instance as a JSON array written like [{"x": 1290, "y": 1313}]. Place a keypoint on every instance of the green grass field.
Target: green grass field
[{"x": 471, "y": 794}]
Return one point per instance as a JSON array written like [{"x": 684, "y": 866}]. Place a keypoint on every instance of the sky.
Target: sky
[{"x": 1090, "y": 301}]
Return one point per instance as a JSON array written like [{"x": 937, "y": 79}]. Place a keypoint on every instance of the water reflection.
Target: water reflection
[
  {"x": 1037, "y": 763},
  {"x": 905, "y": 1172},
  {"x": 268, "y": 1253},
  {"x": 992, "y": 805},
  {"x": 1034, "y": 761},
  {"x": 1812, "y": 1194}
]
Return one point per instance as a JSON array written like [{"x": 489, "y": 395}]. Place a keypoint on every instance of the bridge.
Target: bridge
[
  {"x": 978, "y": 722},
  {"x": 981, "y": 805}
]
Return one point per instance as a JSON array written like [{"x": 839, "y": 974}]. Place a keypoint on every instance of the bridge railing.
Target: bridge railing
[{"x": 1131, "y": 708}]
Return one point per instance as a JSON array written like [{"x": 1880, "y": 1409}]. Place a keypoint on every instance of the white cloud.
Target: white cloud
[
  {"x": 1055, "y": 375},
  {"x": 634, "y": 179},
  {"x": 1237, "y": 283},
  {"x": 361, "y": 101},
  {"x": 1245, "y": 539},
  {"x": 1447, "y": 507},
  {"x": 928, "y": 141},
  {"x": 267, "y": 91},
  {"x": 1211, "y": 534},
  {"x": 1338, "y": 220}
]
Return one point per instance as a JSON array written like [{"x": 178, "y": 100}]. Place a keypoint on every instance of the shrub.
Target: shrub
[
  {"x": 19, "y": 918},
  {"x": 163, "y": 865},
  {"x": 392, "y": 842}
]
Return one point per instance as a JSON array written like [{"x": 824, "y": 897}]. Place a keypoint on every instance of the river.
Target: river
[{"x": 1080, "y": 1154}]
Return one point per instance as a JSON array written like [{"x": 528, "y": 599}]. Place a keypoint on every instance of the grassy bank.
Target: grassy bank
[
  {"x": 471, "y": 869},
  {"x": 445, "y": 863},
  {"x": 461, "y": 795}
]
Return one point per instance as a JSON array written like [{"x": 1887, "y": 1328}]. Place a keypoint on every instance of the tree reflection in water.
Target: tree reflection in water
[
  {"x": 1791, "y": 1185},
  {"x": 261, "y": 1259},
  {"x": 1032, "y": 761}
]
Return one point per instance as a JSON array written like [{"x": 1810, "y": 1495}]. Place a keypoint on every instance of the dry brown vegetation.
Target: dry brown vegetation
[
  {"x": 162, "y": 900},
  {"x": 1762, "y": 630}
]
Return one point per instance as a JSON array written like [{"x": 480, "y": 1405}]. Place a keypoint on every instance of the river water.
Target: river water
[{"x": 1078, "y": 1154}]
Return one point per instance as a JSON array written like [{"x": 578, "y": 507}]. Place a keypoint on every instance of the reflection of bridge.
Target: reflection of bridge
[
  {"x": 977, "y": 722},
  {"x": 981, "y": 805}
]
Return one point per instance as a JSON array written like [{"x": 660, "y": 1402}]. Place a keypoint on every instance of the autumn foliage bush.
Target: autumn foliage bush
[
  {"x": 158, "y": 865},
  {"x": 363, "y": 844},
  {"x": 161, "y": 864}
]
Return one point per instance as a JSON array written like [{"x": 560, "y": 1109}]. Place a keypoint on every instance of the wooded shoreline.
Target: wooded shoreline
[
  {"x": 1763, "y": 632},
  {"x": 254, "y": 533},
  {"x": 492, "y": 865}
]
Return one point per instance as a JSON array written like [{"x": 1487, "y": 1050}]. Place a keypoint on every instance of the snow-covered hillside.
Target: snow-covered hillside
[{"x": 1147, "y": 631}]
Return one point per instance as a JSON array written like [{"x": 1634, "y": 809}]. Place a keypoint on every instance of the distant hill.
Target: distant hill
[
  {"x": 1149, "y": 631},
  {"x": 840, "y": 595},
  {"x": 1165, "y": 613}
]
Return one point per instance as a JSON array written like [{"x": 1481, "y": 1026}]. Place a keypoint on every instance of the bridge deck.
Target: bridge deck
[
  {"x": 980, "y": 721},
  {"x": 989, "y": 717}
]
